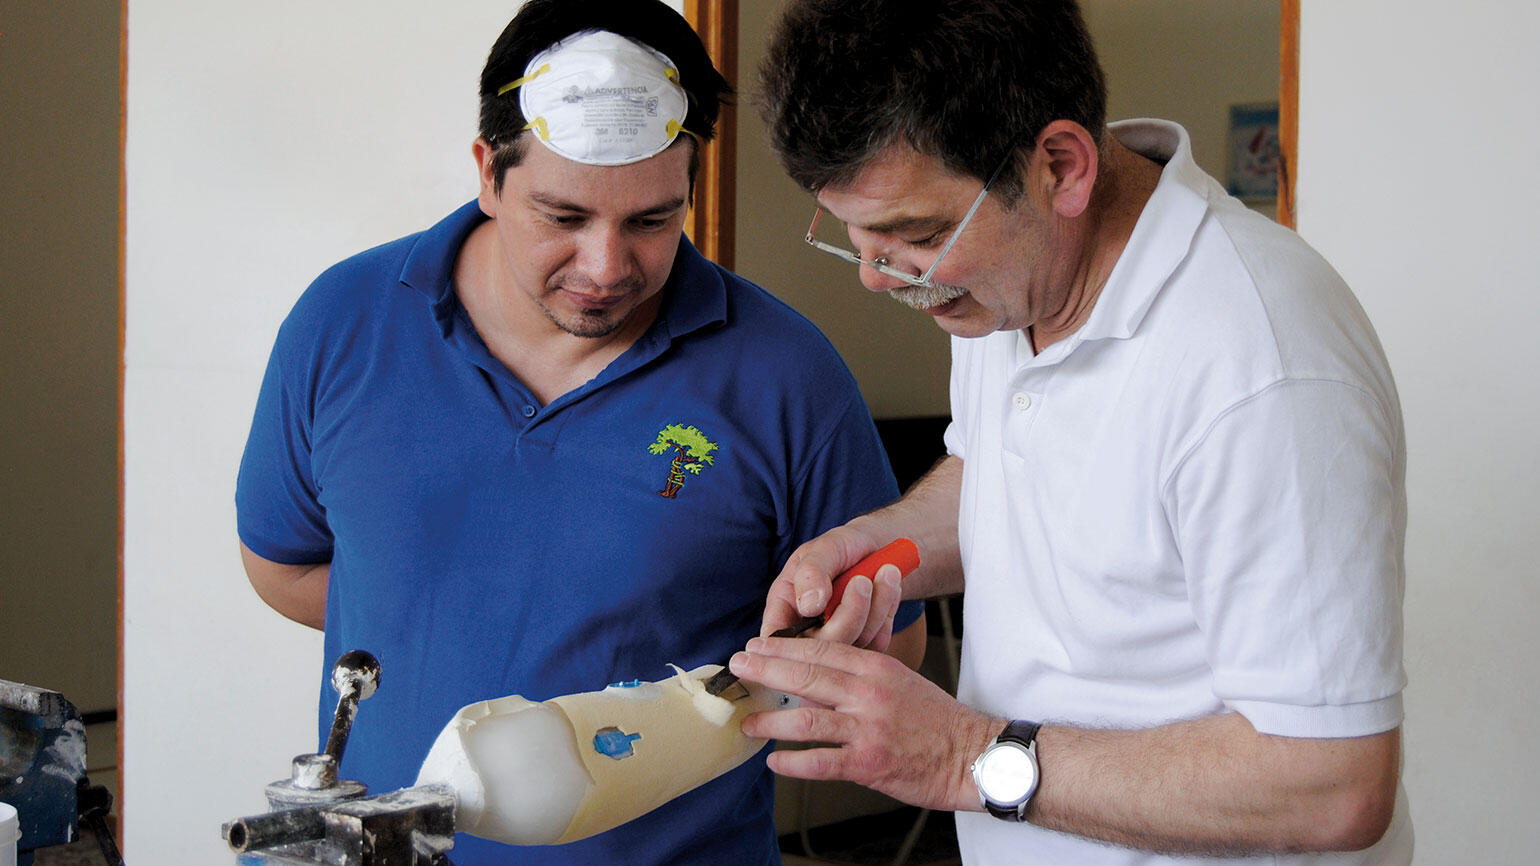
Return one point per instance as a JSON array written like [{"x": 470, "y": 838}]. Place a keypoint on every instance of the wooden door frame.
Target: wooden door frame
[
  {"x": 711, "y": 222},
  {"x": 1288, "y": 110}
]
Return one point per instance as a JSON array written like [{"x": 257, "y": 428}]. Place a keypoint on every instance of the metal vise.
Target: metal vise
[
  {"x": 318, "y": 818},
  {"x": 43, "y": 772}
]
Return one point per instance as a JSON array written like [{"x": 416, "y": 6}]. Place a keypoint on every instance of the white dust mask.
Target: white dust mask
[{"x": 601, "y": 99}]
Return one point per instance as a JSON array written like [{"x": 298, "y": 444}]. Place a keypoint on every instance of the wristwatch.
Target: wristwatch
[{"x": 1006, "y": 774}]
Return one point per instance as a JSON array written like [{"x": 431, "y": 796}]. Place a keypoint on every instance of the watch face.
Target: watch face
[{"x": 1007, "y": 774}]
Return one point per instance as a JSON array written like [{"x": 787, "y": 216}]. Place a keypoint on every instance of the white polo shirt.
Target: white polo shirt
[{"x": 1193, "y": 504}]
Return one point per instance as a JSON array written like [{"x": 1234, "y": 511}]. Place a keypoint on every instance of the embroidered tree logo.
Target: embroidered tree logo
[{"x": 692, "y": 453}]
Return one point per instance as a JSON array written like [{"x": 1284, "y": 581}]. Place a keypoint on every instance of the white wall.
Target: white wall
[
  {"x": 265, "y": 142},
  {"x": 1418, "y": 179}
]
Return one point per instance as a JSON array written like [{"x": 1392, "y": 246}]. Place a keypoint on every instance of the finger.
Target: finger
[
  {"x": 835, "y": 656},
  {"x": 788, "y": 665},
  {"x": 814, "y": 566},
  {"x": 802, "y": 725},
  {"x": 879, "y": 641},
  {"x": 804, "y": 584},
  {"x": 780, "y": 612},
  {"x": 849, "y": 620},
  {"x": 813, "y": 581},
  {"x": 886, "y": 594},
  {"x": 810, "y": 763}
]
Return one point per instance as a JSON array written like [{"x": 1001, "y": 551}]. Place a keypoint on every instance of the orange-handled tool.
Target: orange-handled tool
[{"x": 904, "y": 554}]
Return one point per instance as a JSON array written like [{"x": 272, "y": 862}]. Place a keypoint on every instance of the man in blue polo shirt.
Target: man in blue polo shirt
[{"x": 544, "y": 445}]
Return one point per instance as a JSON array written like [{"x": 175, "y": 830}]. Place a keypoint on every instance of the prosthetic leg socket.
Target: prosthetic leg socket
[{"x": 528, "y": 773}]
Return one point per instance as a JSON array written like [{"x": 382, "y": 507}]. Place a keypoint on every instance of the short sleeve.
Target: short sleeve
[
  {"x": 1290, "y": 514},
  {"x": 278, "y": 511}
]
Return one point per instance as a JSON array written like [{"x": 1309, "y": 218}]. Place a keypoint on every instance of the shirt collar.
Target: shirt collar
[
  {"x": 1163, "y": 234},
  {"x": 696, "y": 295}
]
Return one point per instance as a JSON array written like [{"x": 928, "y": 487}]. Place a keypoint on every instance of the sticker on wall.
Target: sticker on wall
[{"x": 1254, "y": 151}]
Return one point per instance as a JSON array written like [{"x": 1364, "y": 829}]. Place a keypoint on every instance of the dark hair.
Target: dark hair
[
  {"x": 542, "y": 23},
  {"x": 964, "y": 81}
]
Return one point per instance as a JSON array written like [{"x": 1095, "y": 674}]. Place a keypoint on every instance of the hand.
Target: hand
[
  {"x": 885, "y": 726},
  {"x": 803, "y": 588}
]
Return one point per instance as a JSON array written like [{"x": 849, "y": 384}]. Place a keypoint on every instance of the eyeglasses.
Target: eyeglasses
[{"x": 880, "y": 264}]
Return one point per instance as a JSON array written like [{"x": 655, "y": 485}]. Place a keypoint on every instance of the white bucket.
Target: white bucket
[{"x": 10, "y": 831}]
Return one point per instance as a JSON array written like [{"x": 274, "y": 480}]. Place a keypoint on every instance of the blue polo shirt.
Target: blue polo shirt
[{"x": 484, "y": 545}]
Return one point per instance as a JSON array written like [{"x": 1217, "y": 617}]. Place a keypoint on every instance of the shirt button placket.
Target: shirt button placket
[{"x": 1017, "y": 422}]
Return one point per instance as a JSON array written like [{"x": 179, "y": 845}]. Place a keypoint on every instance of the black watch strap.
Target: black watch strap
[
  {"x": 1021, "y": 732},
  {"x": 1024, "y": 733},
  {"x": 1011, "y": 814}
]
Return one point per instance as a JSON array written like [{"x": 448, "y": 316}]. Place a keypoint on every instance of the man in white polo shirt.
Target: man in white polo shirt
[{"x": 1174, "y": 489}]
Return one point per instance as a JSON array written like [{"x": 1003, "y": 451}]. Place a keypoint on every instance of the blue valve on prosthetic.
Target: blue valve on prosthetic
[{"x": 614, "y": 743}]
